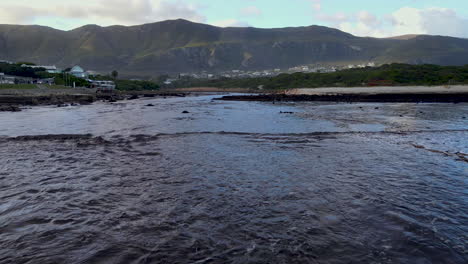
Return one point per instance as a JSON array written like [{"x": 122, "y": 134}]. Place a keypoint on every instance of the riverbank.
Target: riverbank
[
  {"x": 415, "y": 94},
  {"x": 211, "y": 90},
  {"x": 369, "y": 98},
  {"x": 12, "y": 99}
]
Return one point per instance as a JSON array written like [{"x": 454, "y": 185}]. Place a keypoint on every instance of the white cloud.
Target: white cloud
[
  {"x": 434, "y": 21},
  {"x": 103, "y": 12},
  {"x": 368, "y": 19},
  {"x": 364, "y": 23},
  {"x": 406, "y": 20},
  {"x": 72, "y": 13},
  {"x": 335, "y": 18},
  {"x": 251, "y": 11},
  {"x": 316, "y": 5}
]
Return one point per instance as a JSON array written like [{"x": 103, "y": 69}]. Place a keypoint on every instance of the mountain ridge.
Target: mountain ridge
[{"x": 175, "y": 46}]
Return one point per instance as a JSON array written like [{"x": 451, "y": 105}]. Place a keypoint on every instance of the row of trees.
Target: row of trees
[{"x": 17, "y": 70}]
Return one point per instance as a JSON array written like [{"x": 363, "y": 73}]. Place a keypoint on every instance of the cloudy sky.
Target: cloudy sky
[{"x": 377, "y": 18}]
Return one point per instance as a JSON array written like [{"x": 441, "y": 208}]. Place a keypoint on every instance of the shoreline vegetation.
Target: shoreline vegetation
[
  {"x": 388, "y": 83},
  {"x": 385, "y": 75},
  {"x": 65, "y": 78}
]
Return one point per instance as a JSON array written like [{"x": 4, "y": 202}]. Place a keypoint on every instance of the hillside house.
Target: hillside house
[
  {"x": 103, "y": 86},
  {"x": 4, "y": 79},
  {"x": 78, "y": 72}
]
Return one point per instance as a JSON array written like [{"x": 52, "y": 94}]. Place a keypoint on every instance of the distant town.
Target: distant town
[
  {"x": 163, "y": 80},
  {"x": 274, "y": 72},
  {"x": 241, "y": 74}
]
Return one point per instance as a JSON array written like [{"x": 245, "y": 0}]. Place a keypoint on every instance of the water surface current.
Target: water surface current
[{"x": 234, "y": 182}]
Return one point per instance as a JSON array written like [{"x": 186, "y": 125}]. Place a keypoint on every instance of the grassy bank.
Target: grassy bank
[{"x": 17, "y": 86}]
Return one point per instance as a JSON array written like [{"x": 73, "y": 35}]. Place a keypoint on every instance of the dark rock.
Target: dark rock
[
  {"x": 185, "y": 112},
  {"x": 133, "y": 97},
  {"x": 9, "y": 108},
  {"x": 53, "y": 137},
  {"x": 286, "y": 112},
  {"x": 57, "y": 100},
  {"x": 150, "y": 105},
  {"x": 370, "y": 98}
]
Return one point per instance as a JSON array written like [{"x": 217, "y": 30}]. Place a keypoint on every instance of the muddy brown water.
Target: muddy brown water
[{"x": 234, "y": 182}]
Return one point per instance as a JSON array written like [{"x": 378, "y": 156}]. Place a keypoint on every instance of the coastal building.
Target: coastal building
[
  {"x": 24, "y": 80},
  {"x": 48, "y": 81},
  {"x": 78, "y": 72},
  {"x": 103, "y": 86},
  {"x": 7, "y": 79},
  {"x": 4, "y": 79}
]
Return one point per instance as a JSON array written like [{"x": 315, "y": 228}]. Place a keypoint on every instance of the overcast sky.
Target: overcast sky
[{"x": 377, "y": 18}]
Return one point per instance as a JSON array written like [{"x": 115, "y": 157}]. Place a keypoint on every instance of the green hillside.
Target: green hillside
[{"x": 176, "y": 46}]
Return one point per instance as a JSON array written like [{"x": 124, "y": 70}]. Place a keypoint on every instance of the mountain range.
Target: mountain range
[{"x": 176, "y": 46}]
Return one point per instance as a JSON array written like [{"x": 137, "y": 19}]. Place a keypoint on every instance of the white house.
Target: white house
[
  {"x": 102, "y": 85},
  {"x": 6, "y": 79},
  {"x": 52, "y": 69},
  {"x": 77, "y": 71}
]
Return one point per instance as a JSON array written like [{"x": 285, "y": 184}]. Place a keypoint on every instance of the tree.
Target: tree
[
  {"x": 162, "y": 78},
  {"x": 25, "y": 63},
  {"x": 115, "y": 74}
]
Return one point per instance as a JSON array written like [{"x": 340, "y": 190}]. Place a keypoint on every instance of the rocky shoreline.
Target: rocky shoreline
[
  {"x": 31, "y": 100},
  {"x": 9, "y": 108},
  {"x": 14, "y": 102},
  {"x": 350, "y": 98}
]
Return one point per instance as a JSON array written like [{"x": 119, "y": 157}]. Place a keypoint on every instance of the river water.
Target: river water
[{"x": 234, "y": 182}]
